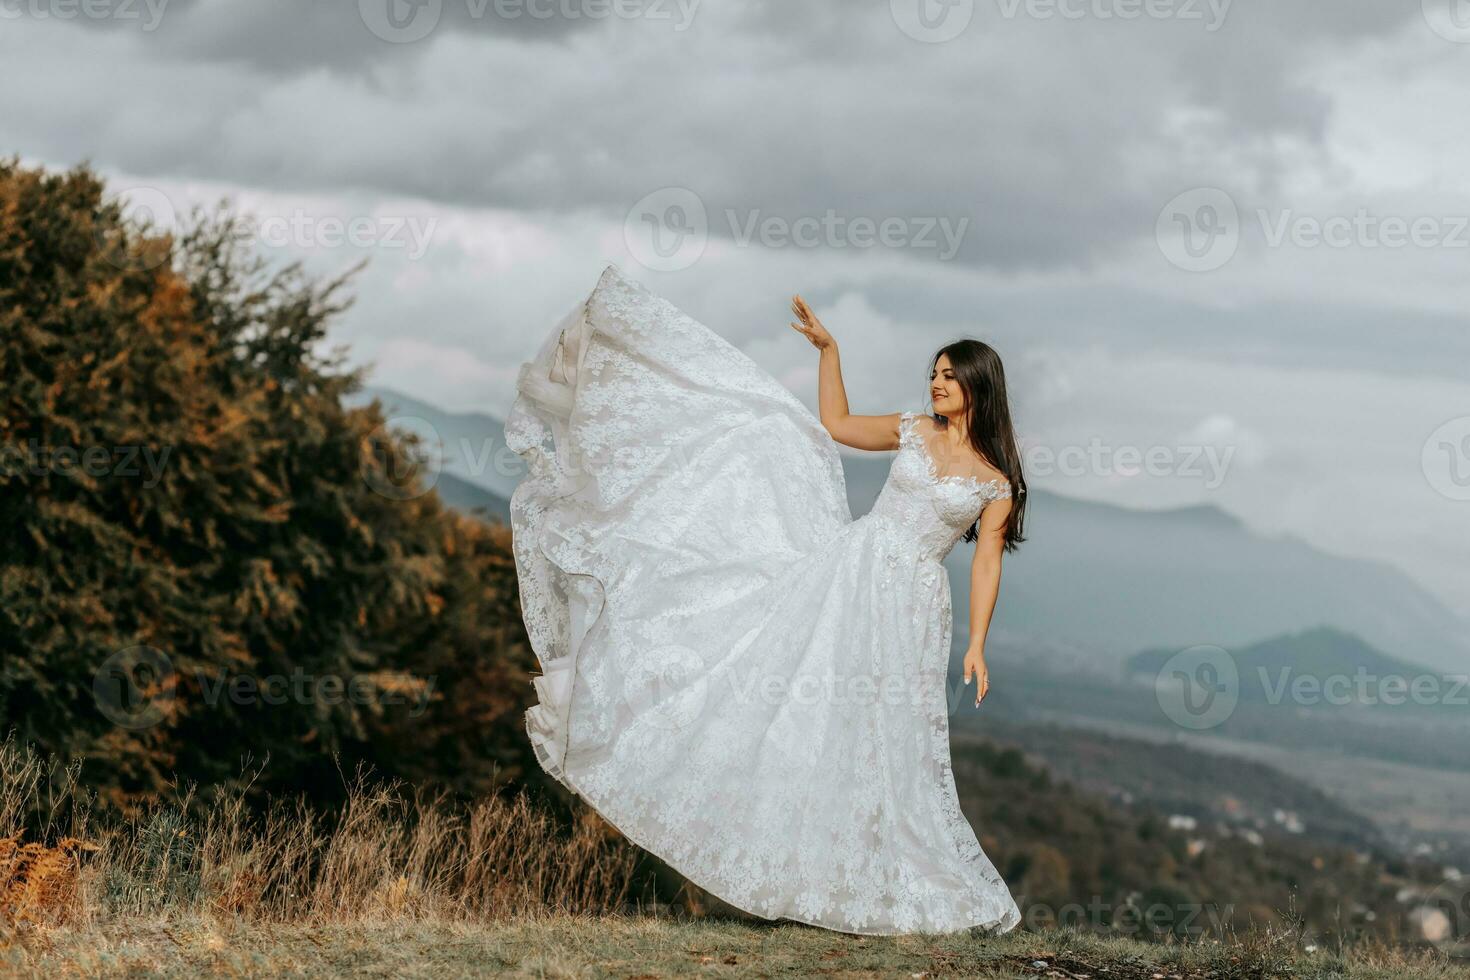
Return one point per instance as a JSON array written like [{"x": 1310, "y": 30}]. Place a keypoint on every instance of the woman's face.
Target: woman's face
[{"x": 945, "y": 390}]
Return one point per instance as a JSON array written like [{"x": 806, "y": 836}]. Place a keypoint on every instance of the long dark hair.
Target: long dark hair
[{"x": 982, "y": 378}]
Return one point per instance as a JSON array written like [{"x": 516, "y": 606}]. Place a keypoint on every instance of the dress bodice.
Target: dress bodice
[{"x": 930, "y": 512}]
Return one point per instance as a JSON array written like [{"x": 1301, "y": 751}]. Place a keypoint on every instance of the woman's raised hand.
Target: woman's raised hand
[{"x": 809, "y": 326}]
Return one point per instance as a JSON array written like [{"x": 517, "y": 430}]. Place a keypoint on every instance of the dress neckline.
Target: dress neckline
[{"x": 932, "y": 469}]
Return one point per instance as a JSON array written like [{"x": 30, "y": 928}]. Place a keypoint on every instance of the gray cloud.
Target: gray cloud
[
  {"x": 1046, "y": 139},
  {"x": 287, "y": 37}
]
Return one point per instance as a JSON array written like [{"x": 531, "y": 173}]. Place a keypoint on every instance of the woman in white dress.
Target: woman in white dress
[{"x": 737, "y": 675}]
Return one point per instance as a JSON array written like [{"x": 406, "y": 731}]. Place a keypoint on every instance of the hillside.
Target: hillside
[
  {"x": 1399, "y": 767},
  {"x": 1269, "y": 710},
  {"x": 1179, "y": 779},
  {"x": 1059, "y": 844}
]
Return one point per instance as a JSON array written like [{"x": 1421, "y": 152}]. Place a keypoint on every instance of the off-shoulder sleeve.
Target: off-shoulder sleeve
[{"x": 908, "y": 428}]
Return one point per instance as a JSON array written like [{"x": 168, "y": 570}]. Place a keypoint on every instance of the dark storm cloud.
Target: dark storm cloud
[
  {"x": 288, "y": 36},
  {"x": 1053, "y": 131}
]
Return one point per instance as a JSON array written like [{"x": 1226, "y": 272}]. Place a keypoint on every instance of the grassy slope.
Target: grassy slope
[
  {"x": 1182, "y": 778},
  {"x": 648, "y": 947}
]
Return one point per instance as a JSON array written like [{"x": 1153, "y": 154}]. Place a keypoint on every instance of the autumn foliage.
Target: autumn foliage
[
  {"x": 209, "y": 563},
  {"x": 40, "y": 883}
]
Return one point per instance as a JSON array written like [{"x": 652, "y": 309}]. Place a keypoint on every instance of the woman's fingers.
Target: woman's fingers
[
  {"x": 802, "y": 311},
  {"x": 809, "y": 325}
]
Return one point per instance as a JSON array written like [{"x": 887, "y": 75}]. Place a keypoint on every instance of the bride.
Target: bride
[{"x": 737, "y": 675}]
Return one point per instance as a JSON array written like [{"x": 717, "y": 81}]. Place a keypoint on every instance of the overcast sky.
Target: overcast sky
[{"x": 1232, "y": 239}]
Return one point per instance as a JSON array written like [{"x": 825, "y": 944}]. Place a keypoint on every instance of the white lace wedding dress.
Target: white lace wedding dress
[{"x": 741, "y": 678}]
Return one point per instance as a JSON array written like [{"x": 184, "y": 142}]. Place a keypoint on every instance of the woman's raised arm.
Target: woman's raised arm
[{"x": 873, "y": 432}]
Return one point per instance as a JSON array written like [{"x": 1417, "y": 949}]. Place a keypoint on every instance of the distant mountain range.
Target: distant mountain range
[
  {"x": 1300, "y": 691},
  {"x": 463, "y": 495},
  {"x": 1093, "y": 582},
  {"x": 1267, "y": 669},
  {"x": 1377, "y": 749}
]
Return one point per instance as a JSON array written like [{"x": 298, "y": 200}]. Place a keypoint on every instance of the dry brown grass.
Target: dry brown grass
[
  {"x": 40, "y": 883},
  {"x": 386, "y": 854},
  {"x": 398, "y": 884}
]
